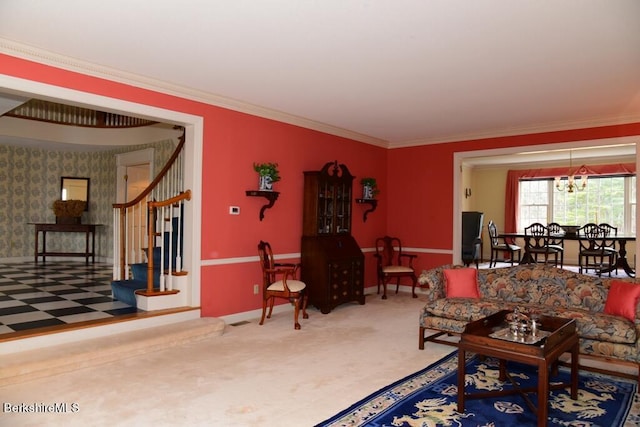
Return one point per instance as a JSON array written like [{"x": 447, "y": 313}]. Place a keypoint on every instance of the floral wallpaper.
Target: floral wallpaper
[{"x": 30, "y": 183}]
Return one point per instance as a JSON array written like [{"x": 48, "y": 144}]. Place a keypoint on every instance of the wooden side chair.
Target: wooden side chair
[
  {"x": 610, "y": 245},
  {"x": 537, "y": 242},
  {"x": 593, "y": 245},
  {"x": 499, "y": 246},
  {"x": 287, "y": 286},
  {"x": 393, "y": 263},
  {"x": 556, "y": 239}
]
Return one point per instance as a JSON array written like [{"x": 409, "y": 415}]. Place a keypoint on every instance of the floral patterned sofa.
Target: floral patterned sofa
[{"x": 550, "y": 290}]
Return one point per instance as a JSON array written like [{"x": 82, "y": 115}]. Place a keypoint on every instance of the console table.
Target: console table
[{"x": 88, "y": 229}]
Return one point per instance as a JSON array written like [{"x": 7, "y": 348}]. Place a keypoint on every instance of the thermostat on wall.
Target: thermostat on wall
[{"x": 234, "y": 210}]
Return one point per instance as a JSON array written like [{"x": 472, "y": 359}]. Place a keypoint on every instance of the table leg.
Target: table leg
[
  {"x": 44, "y": 246},
  {"x": 622, "y": 259},
  {"x": 93, "y": 246},
  {"x": 527, "y": 258},
  {"x": 543, "y": 393},
  {"x": 461, "y": 379},
  {"x": 621, "y": 262},
  {"x": 86, "y": 248},
  {"x": 35, "y": 251},
  {"x": 502, "y": 376},
  {"x": 574, "y": 371}
]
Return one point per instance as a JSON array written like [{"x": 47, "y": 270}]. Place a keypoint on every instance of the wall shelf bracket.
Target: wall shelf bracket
[
  {"x": 372, "y": 202},
  {"x": 271, "y": 196}
]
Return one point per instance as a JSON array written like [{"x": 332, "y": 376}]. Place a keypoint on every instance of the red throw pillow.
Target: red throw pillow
[
  {"x": 622, "y": 299},
  {"x": 461, "y": 283}
]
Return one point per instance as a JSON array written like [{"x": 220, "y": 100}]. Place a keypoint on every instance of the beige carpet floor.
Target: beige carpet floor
[{"x": 252, "y": 375}]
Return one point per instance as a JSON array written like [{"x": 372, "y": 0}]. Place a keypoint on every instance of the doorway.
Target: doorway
[
  {"x": 136, "y": 180},
  {"x": 618, "y": 149},
  {"x": 194, "y": 130},
  {"x": 134, "y": 172}
]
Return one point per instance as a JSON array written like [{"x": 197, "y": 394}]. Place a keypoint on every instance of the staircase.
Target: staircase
[{"x": 149, "y": 241}]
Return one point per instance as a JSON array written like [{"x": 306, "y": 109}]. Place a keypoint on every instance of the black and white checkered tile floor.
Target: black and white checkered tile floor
[{"x": 57, "y": 293}]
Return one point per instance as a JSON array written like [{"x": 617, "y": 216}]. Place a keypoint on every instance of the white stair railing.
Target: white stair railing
[
  {"x": 159, "y": 208},
  {"x": 133, "y": 223}
]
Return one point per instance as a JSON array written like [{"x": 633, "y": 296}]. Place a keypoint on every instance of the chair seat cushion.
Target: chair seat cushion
[
  {"x": 396, "y": 269},
  {"x": 594, "y": 252},
  {"x": 293, "y": 285},
  {"x": 505, "y": 247},
  {"x": 550, "y": 249}
]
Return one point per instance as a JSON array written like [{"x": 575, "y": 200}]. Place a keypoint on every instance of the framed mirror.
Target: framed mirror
[{"x": 72, "y": 188}]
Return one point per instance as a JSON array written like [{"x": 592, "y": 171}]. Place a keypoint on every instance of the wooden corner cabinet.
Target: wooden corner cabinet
[{"x": 332, "y": 262}]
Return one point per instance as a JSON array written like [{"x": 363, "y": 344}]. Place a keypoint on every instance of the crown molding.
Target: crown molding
[
  {"x": 45, "y": 57},
  {"x": 550, "y": 127},
  {"x": 34, "y": 54}
]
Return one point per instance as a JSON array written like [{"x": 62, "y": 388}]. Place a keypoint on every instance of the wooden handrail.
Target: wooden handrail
[
  {"x": 158, "y": 204},
  {"x": 157, "y": 179}
]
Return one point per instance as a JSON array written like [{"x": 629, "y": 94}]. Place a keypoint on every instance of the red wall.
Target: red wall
[
  {"x": 416, "y": 184},
  {"x": 232, "y": 143}
]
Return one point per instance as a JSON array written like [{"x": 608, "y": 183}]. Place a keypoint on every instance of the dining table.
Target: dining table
[
  {"x": 621, "y": 261},
  {"x": 621, "y": 240}
]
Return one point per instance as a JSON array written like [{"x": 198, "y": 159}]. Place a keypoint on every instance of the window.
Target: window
[
  {"x": 609, "y": 199},
  {"x": 534, "y": 202}
]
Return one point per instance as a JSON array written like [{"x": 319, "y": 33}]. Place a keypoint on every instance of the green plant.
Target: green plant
[
  {"x": 371, "y": 182},
  {"x": 267, "y": 169}
]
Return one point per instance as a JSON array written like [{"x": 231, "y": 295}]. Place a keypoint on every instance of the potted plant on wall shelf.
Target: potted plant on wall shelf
[
  {"x": 369, "y": 188},
  {"x": 268, "y": 173}
]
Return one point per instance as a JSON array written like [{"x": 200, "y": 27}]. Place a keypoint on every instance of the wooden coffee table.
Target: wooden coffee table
[{"x": 562, "y": 338}]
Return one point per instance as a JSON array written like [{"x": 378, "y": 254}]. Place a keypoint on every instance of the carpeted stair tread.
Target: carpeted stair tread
[{"x": 32, "y": 364}]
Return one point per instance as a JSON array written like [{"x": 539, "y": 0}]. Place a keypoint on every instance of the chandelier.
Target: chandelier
[{"x": 571, "y": 183}]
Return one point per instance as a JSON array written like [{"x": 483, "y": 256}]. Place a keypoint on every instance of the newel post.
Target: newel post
[{"x": 150, "y": 231}]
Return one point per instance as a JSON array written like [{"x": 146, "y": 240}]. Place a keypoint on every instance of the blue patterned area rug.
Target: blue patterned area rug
[{"x": 428, "y": 398}]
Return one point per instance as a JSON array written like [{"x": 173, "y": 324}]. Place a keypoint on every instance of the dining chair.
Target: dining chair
[
  {"x": 279, "y": 281},
  {"x": 556, "y": 239},
  {"x": 500, "y": 246},
  {"x": 593, "y": 246},
  {"x": 393, "y": 263},
  {"x": 537, "y": 243},
  {"x": 610, "y": 230}
]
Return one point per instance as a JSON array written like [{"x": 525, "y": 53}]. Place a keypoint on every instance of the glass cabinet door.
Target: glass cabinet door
[
  {"x": 343, "y": 208},
  {"x": 326, "y": 207}
]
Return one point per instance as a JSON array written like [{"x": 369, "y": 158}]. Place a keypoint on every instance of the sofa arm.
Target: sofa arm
[
  {"x": 433, "y": 281},
  {"x": 636, "y": 323}
]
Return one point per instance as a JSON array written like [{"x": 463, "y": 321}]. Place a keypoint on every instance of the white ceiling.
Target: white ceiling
[{"x": 397, "y": 73}]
